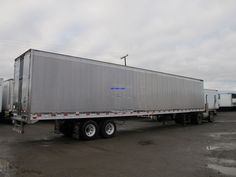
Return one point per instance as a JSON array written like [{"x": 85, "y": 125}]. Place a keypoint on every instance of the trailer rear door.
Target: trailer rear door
[{"x": 21, "y": 87}]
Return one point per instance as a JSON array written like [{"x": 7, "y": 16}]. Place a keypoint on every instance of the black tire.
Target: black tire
[
  {"x": 198, "y": 119},
  {"x": 67, "y": 129},
  {"x": 211, "y": 117},
  {"x": 76, "y": 131},
  {"x": 89, "y": 130},
  {"x": 108, "y": 129}
]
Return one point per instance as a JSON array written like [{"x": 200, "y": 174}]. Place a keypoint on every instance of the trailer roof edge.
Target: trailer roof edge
[
  {"x": 24, "y": 53},
  {"x": 111, "y": 63}
]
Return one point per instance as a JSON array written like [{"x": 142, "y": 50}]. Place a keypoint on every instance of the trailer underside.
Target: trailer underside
[
  {"x": 34, "y": 117},
  {"x": 91, "y": 125}
]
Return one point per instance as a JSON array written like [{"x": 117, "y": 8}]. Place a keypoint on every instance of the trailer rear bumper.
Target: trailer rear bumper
[
  {"x": 18, "y": 126},
  {"x": 19, "y": 122}
]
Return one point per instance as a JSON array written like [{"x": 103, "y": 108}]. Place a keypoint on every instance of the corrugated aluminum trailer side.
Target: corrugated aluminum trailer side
[
  {"x": 7, "y": 103},
  {"x": 60, "y": 87}
]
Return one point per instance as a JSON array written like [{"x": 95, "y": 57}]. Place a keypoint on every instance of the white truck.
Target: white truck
[
  {"x": 227, "y": 99},
  {"x": 7, "y": 98},
  {"x": 84, "y": 96},
  {"x": 211, "y": 98},
  {"x": 1, "y": 88}
]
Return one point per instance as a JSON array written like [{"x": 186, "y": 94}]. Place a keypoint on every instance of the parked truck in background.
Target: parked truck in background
[
  {"x": 227, "y": 100},
  {"x": 1, "y": 88},
  {"x": 211, "y": 99},
  {"x": 84, "y": 96},
  {"x": 7, "y": 98}
]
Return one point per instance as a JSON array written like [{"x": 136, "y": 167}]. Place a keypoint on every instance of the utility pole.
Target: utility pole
[{"x": 124, "y": 58}]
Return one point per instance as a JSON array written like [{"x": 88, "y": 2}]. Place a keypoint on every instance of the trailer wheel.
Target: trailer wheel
[
  {"x": 211, "y": 117},
  {"x": 89, "y": 130},
  {"x": 76, "y": 130},
  {"x": 108, "y": 128},
  {"x": 198, "y": 119},
  {"x": 67, "y": 129}
]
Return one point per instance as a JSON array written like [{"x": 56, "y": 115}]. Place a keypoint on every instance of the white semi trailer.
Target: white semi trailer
[
  {"x": 1, "y": 88},
  {"x": 211, "y": 99},
  {"x": 7, "y": 100},
  {"x": 227, "y": 99},
  {"x": 84, "y": 96}
]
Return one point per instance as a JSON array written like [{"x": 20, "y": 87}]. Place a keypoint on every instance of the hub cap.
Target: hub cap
[
  {"x": 90, "y": 130},
  {"x": 110, "y": 129}
]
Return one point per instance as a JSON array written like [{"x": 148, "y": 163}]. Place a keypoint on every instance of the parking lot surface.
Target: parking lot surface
[{"x": 142, "y": 148}]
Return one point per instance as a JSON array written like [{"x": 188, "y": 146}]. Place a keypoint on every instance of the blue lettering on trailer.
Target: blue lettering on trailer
[{"x": 118, "y": 88}]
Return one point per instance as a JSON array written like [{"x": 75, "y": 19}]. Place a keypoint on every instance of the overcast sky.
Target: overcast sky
[{"x": 192, "y": 38}]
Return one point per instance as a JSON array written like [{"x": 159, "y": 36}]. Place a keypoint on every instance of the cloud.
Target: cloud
[{"x": 192, "y": 38}]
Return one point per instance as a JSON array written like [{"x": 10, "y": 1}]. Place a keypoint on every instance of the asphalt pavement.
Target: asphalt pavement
[{"x": 142, "y": 148}]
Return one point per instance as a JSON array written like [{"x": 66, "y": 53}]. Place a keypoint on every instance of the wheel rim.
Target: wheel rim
[
  {"x": 110, "y": 128},
  {"x": 90, "y": 130}
]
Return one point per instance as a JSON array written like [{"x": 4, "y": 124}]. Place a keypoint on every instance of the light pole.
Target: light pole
[{"x": 124, "y": 58}]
